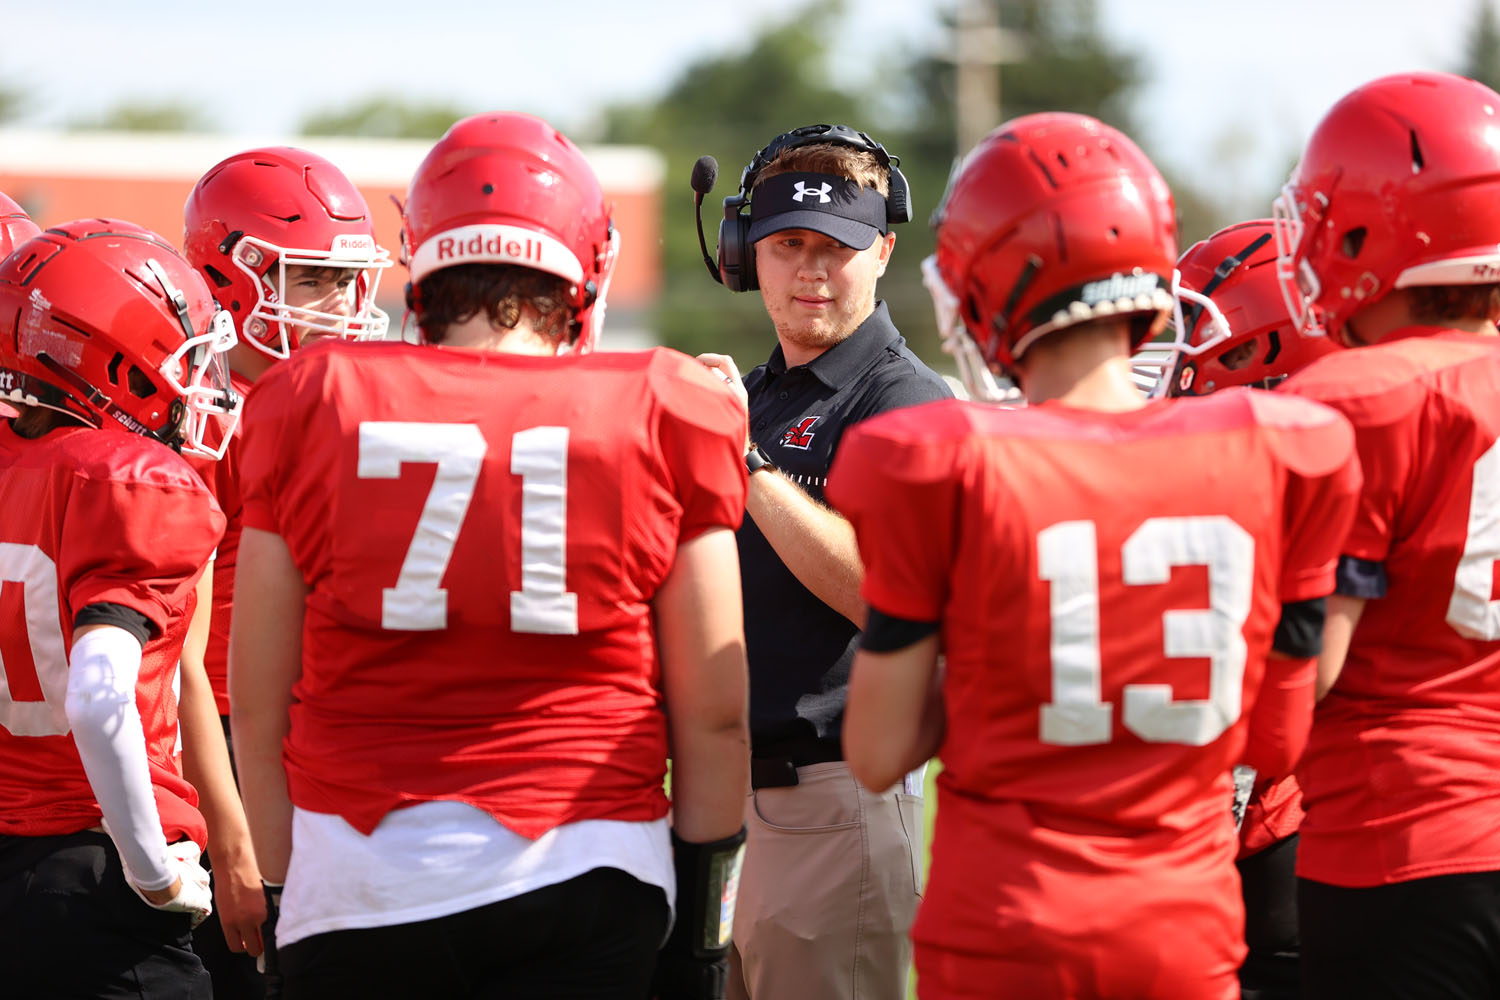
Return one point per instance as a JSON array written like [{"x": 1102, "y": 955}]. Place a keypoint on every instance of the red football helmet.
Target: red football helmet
[
  {"x": 102, "y": 320},
  {"x": 277, "y": 207},
  {"x": 1235, "y": 330},
  {"x": 1052, "y": 220},
  {"x": 1399, "y": 186},
  {"x": 16, "y": 226},
  {"x": 507, "y": 188}
]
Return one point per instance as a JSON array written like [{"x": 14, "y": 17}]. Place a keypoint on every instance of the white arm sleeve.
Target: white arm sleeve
[{"x": 102, "y": 673}]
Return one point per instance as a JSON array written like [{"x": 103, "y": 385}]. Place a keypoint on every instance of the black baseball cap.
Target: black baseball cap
[{"x": 824, "y": 203}]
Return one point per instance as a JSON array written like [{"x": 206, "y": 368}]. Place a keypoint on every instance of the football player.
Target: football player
[
  {"x": 287, "y": 245},
  {"x": 1389, "y": 240},
  {"x": 1122, "y": 622},
  {"x": 113, "y": 351},
  {"x": 1235, "y": 331},
  {"x": 524, "y": 594}
]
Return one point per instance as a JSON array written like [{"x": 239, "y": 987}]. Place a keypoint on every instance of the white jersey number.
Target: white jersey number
[
  {"x": 1077, "y": 715},
  {"x": 30, "y": 567},
  {"x": 539, "y": 455},
  {"x": 1470, "y": 611}
]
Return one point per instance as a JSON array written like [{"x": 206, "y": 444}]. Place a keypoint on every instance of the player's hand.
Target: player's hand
[
  {"x": 682, "y": 977},
  {"x": 241, "y": 904},
  {"x": 189, "y": 892},
  {"x": 723, "y": 365}
]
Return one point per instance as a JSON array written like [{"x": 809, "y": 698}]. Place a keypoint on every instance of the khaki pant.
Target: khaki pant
[{"x": 830, "y": 886}]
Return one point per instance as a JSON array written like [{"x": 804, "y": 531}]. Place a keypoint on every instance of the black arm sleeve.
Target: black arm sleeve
[
  {"x": 119, "y": 616},
  {"x": 1299, "y": 634},
  {"x": 1362, "y": 578},
  {"x": 886, "y": 633}
]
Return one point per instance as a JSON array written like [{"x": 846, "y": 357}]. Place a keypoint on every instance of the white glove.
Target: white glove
[{"x": 194, "y": 896}]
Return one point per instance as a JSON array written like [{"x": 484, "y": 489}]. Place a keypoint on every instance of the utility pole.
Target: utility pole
[{"x": 980, "y": 47}]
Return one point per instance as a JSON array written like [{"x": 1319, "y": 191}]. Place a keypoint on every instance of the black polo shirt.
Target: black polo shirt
[{"x": 799, "y": 648}]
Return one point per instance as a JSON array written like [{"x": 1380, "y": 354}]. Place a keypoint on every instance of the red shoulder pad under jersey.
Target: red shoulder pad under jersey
[
  {"x": 701, "y": 432},
  {"x": 897, "y": 478},
  {"x": 1379, "y": 390},
  {"x": 1316, "y": 447},
  {"x": 138, "y": 526}
]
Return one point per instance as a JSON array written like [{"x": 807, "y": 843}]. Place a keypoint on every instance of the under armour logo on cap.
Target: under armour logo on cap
[
  {"x": 821, "y": 191},
  {"x": 823, "y": 203}
]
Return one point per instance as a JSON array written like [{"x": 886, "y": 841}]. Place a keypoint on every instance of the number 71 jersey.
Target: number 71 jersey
[{"x": 482, "y": 536}]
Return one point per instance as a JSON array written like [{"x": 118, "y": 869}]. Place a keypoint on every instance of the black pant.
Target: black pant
[
  {"x": 234, "y": 973},
  {"x": 593, "y": 937},
  {"x": 1268, "y": 881},
  {"x": 71, "y": 927},
  {"x": 1431, "y": 939}
]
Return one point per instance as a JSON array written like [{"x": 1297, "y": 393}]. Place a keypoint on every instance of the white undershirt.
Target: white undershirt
[{"x": 439, "y": 858}]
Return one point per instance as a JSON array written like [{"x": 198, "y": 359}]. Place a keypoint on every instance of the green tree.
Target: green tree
[
  {"x": 729, "y": 107},
  {"x": 1482, "y": 51},
  {"x": 147, "y": 116},
  {"x": 385, "y": 117}
]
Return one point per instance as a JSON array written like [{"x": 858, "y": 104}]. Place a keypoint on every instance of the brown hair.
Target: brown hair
[
  {"x": 856, "y": 165},
  {"x": 34, "y": 421},
  {"x": 506, "y": 293},
  {"x": 1437, "y": 304}
]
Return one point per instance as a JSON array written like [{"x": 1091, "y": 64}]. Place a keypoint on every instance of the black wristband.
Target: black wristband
[
  {"x": 271, "y": 962},
  {"x": 694, "y": 963},
  {"x": 755, "y": 460},
  {"x": 1299, "y": 633}
]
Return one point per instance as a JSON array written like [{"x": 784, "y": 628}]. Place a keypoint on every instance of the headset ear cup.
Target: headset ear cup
[
  {"x": 898, "y": 205},
  {"x": 729, "y": 265},
  {"x": 737, "y": 254},
  {"x": 749, "y": 280}
]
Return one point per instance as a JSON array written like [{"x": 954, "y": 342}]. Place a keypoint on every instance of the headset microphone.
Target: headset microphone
[{"x": 705, "y": 172}]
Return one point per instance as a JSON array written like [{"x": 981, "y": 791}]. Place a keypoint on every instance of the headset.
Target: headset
[{"x": 736, "y": 265}]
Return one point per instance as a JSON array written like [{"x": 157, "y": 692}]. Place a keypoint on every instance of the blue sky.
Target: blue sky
[{"x": 1234, "y": 87}]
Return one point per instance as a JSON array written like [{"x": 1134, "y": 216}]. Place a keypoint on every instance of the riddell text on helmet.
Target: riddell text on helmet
[{"x": 479, "y": 246}]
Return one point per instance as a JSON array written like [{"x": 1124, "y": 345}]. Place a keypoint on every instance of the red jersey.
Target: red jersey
[
  {"x": 1401, "y": 778},
  {"x": 92, "y": 517},
  {"x": 222, "y": 478},
  {"x": 1108, "y": 585},
  {"x": 482, "y": 535}
]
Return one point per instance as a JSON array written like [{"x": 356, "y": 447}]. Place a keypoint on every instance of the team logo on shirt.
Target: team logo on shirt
[{"x": 800, "y": 434}]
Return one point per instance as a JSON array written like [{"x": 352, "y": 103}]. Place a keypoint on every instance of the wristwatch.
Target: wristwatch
[{"x": 755, "y": 460}]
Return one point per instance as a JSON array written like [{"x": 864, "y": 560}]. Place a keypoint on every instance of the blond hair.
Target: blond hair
[{"x": 856, "y": 165}]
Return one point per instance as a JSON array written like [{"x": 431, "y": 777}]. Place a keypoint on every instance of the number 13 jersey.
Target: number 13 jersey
[
  {"x": 482, "y": 535},
  {"x": 1107, "y": 585}
]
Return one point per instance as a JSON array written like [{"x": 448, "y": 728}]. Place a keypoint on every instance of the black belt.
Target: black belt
[{"x": 781, "y": 771}]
